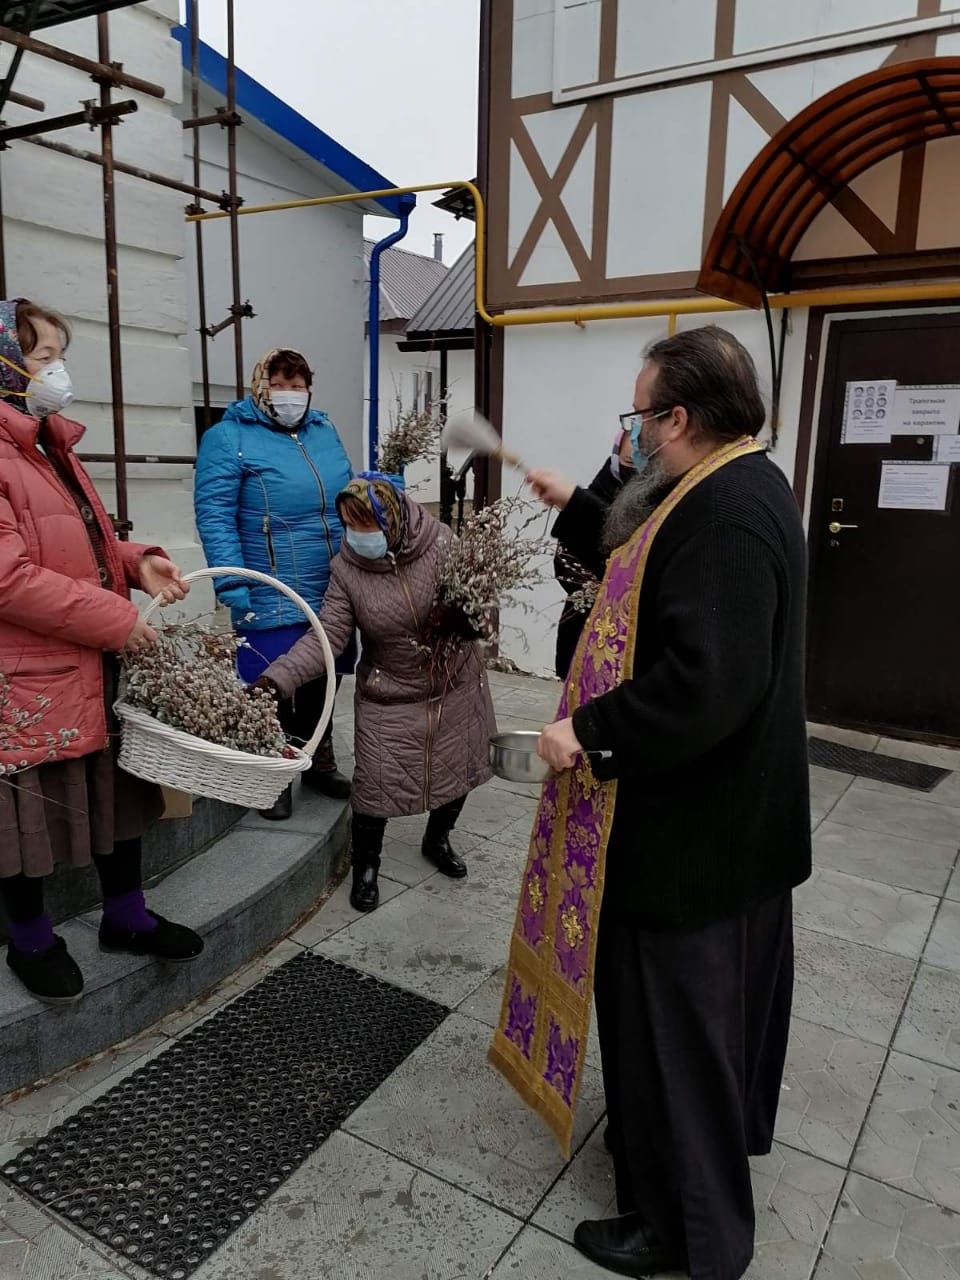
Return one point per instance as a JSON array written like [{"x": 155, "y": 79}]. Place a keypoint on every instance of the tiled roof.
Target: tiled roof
[
  {"x": 406, "y": 280},
  {"x": 451, "y": 306}
]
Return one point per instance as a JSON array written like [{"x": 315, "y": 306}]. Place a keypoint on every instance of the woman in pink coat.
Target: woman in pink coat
[{"x": 65, "y": 613}]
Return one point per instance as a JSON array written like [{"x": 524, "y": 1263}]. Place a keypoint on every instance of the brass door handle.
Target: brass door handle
[{"x": 835, "y": 527}]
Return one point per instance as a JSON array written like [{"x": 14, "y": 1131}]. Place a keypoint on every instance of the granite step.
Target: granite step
[
  {"x": 167, "y": 845},
  {"x": 241, "y": 894}
]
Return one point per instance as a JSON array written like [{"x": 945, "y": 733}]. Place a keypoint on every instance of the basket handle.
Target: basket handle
[{"x": 232, "y": 570}]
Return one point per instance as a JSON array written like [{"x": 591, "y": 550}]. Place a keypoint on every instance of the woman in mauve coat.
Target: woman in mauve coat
[
  {"x": 421, "y": 738},
  {"x": 65, "y": 613}
]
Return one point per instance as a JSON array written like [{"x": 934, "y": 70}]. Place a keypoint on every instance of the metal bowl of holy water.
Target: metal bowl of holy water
[{"x": 513, "y": 757}]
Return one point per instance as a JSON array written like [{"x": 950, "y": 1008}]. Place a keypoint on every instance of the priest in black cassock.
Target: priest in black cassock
[{"x": 706, "y": 739}]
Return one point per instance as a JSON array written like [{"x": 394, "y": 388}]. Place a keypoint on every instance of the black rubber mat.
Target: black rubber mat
[
  {"x": 171, "y": 1161},
  {"x": 868, "y": 764}
]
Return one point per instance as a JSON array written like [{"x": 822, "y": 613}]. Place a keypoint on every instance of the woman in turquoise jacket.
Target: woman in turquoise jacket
[{"x": 265, "y": 498}]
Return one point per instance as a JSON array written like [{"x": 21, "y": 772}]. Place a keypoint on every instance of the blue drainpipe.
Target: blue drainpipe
[{"x": 407, "y": 204}]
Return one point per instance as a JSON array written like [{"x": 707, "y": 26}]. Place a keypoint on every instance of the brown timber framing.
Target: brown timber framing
[
  {"x": 108, "y": 76},
  {"x": 506, "y": 122},
  {"x": 506, "y": 127},
  {"x": 488, "y": 366}
]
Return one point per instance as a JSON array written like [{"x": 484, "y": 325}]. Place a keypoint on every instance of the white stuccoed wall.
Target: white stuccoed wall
[
  {"x": 53, "y": 224},
  {"x": 302, "y": 270},
  {"x": 564, "y": 387}
]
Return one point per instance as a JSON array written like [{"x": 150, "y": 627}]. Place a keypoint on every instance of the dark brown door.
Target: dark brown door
[{"x": 884, "y": 639}]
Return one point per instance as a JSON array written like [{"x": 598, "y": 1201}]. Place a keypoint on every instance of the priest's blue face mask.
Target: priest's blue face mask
[{"x": 634, "y": 423}]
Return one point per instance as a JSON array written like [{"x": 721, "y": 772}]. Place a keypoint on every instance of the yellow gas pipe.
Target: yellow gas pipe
[{"x": 621, "y": 310}]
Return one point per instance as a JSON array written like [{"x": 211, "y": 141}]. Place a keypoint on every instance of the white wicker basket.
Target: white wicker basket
[{"x": 160, "y": 753}]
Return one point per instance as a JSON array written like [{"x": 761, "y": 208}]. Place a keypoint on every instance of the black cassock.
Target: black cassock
[{"x": 693, "y": 1035}]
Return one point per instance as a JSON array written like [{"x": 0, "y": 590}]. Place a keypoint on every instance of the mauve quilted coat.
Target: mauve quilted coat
[
  {"x": 416, "y": 747},
  {"x": 55, "y": 617}
]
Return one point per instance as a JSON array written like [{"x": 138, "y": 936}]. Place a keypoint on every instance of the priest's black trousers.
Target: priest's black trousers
[{"x": 693, "y": 1035}]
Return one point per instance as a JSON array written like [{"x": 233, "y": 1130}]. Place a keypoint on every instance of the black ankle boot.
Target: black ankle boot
[
  {"x": 282, "y": 807},
  {"x": 437, "y": 849},
  {"x": 366, "y": 839},
  {"x": 365, "y": 894},
  {"x": 436, "y": 841}
]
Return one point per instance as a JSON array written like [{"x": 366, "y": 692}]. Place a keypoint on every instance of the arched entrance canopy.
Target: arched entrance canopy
[{"x": 814, "y": 157}]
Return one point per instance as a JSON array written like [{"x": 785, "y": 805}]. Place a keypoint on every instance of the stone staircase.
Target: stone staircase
[{"x": 240, "y": 881}]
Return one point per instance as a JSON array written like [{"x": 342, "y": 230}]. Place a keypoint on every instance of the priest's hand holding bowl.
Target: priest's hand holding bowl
[{"x": 558, "y": 745}]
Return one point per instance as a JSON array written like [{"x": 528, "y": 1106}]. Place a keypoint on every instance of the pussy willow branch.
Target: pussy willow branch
[
  {"x": 20, "y": 731},
  {"x": 188, "y": 679},
  {"x": 413, "y": 435}
]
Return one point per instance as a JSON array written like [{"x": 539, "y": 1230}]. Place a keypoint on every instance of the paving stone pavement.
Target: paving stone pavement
[{"x": 443, "y": 1175}]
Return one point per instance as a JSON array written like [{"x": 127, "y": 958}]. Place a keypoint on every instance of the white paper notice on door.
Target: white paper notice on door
[
  {"x": 867, "y": 411},
  {"x": 947, "y": 449},
  {"x": 913, "y": 486},
  {"x": 926, "y": 411}
]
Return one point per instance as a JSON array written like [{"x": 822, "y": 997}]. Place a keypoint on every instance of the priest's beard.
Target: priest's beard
[{"x": 634, "y": 504}]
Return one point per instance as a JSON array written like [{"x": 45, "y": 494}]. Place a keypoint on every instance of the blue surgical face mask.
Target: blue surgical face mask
[
  {"x": 640, "y": 456},
  {"x": 372, "y": 546}
]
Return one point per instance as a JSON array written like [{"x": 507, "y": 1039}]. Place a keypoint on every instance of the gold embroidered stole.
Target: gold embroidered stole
[{"x": 545, "y": 1016}]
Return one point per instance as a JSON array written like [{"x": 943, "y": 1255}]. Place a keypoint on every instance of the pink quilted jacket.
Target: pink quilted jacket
[{"x": 55, "y": 617}]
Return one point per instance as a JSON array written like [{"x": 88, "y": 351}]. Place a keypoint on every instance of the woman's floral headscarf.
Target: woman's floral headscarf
[
  {"x": 260, "y": 382},
  {"x": 13, "y": 381},
  {"x": 381, "y": 496}
]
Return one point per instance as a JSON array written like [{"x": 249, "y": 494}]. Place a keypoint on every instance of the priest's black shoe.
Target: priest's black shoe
[
  {"x": 447, "y": 861},
  {"x": 627, "y": 1246}
]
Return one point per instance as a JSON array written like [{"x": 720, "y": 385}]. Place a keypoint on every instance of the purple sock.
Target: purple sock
[
  {"x": 128, "y": 911},
  {"x": 34, "y": 935}
]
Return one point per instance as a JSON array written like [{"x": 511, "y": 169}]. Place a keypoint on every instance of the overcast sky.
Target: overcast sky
[{"x": 395, "y": 81}]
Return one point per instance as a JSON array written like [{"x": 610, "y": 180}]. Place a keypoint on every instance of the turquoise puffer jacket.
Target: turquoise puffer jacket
[{"x": 266, "y": 499}]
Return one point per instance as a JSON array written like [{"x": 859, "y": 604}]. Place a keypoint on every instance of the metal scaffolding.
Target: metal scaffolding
[{"x": 27, "y": 16}]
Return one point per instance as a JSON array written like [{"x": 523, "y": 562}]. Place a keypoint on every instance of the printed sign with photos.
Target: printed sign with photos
[{"x": 868, "y": 411}]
